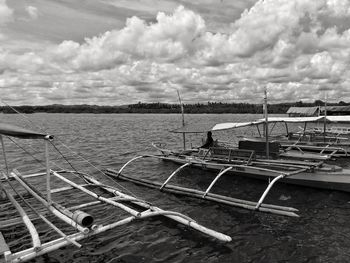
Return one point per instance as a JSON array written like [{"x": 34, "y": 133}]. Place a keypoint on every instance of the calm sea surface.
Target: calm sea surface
[{"x": 320, "y": 234}]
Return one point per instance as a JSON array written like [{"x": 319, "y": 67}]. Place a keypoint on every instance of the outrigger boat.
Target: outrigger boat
[
  {"x": 333, "y": 141},
  {"x": 49, "y": 203},
  {"x": 251, "y": 158},
  {"x": 244, "y": 161}
]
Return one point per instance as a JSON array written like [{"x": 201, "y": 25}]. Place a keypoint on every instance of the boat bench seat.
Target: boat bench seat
[
  {"x": 260, "y": 147},
  {"x": 230, "y": 154}
]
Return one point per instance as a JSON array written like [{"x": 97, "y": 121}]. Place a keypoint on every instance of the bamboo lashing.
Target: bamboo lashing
[{"x": 250, "y": 205}]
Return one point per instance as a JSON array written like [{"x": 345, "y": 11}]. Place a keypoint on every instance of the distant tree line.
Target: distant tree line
[{"x": 210, "y": 107}]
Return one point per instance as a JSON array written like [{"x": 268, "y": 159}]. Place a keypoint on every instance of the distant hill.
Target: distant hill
[{"x": 210, "y": 107}]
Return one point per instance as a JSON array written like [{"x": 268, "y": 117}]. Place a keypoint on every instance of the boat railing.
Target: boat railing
[
  {"x": 232, "y": 154},
  {"x": 225, "y": 167}
]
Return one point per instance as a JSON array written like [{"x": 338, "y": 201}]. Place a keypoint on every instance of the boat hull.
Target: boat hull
[{"x": 331, "y": 180}]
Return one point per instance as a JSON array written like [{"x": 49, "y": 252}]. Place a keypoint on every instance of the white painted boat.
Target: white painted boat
[
  {"x": 306, "y": 173},
  {"x": 250, "y": 159},
  {"x": 335, "y": 141},
  {"x": 52, "y": 199},
  {"x": 243, "y": 163}
]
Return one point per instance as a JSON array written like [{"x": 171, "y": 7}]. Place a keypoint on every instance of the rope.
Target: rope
[
  {"x": 42, "y": 130},
  {"x": 30, "y": 154},
  {"x": 64, "y": 157},
  {"x": 50, "y": 224},
  {"x": 100, "y": 171}
]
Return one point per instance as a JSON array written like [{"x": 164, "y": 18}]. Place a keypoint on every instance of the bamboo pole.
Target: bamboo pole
[
  {"x": 47, "y": 164},
  {"x": 173, "y": 174},
  {"x": 30, "y": 253},
  {"x": 103, "y": 199},
  {"x": 172, "y": 215},
  {"x": 4, "y": 153},
  {"x": 266, "y": 125},
  {"x": 61, "y": 215},
  {"x": 216, "y": 178},
  {"x": 31, "y": 228},
  {"x": 207, "y": 163},
  {"x": 287, "y": 211},
  {"x": 15, "y": 221},
  {"x": 325, "y": 118},
  {"x": 4, "y": 249},
  {"x": 6, "y": 165},
  {"x": 273, "y": 182},
  {"x": 268, "y": 189},
  {"x": 183, "y": 119},
  {"x": 286, "y": 125},
  {"x": 191, "y": 223},
  {"x": 127, "y": 163}
]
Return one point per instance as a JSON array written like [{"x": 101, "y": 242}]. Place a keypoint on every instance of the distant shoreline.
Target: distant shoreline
[{"x": 209, "y": 108}]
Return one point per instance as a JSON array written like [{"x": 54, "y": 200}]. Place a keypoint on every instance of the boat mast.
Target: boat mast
[
  {"x": 266, "y": 124},
  {"x": 48, "y": 172},
  {"x": 183, "y": 119},
  {"x": 325, "y": 117}
]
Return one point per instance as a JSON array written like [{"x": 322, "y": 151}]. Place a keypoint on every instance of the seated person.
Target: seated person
[{"x": 209, "y": 141}]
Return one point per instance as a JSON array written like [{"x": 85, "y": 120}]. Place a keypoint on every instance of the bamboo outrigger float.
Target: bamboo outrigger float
[
  {"x": 245, "y": 164},
  {"x": 260, "y": 159},
  {"x": 35, "y": 203}
]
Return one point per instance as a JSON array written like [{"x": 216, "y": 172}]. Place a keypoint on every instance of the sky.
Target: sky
[{"x": 117, "y": 52}]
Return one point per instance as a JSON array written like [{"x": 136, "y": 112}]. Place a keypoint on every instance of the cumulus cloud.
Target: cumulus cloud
[
  {"x": 291, "y": 46},
  {"x": 6, "y": 13},
  {"x": 338, "y": 7},
  {"x": 32, "y": 12},
  {"x": 169, "y": 39}
]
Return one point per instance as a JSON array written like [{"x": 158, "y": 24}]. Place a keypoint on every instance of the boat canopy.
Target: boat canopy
[
  {"x": 196, "y": 128},
  {"x": 294, "y": 119},
  {"x": 233, "y": 125},
  {"x": 14, "y": 131},
  {"x": 341, "y": 119}
]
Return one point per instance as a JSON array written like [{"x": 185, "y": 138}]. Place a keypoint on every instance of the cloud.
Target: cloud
[
  {"x": 291, "y": 46},
  {"x": 338, "y": 7},
  {"x": 167, "y": 40},
  {"x": 32, "y": 12},
  {"x": 6, "y": 13}
]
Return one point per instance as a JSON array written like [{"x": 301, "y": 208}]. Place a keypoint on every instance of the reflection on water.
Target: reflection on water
[{"x": 319, "y": 235}]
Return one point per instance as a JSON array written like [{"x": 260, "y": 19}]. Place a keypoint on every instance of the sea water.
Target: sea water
[{"x": 320, "y": 234}]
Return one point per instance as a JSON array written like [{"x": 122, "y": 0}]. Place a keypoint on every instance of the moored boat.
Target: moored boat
[
  {"x": 258, "y": 158},
  {"x": 56, "y": 207}
]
